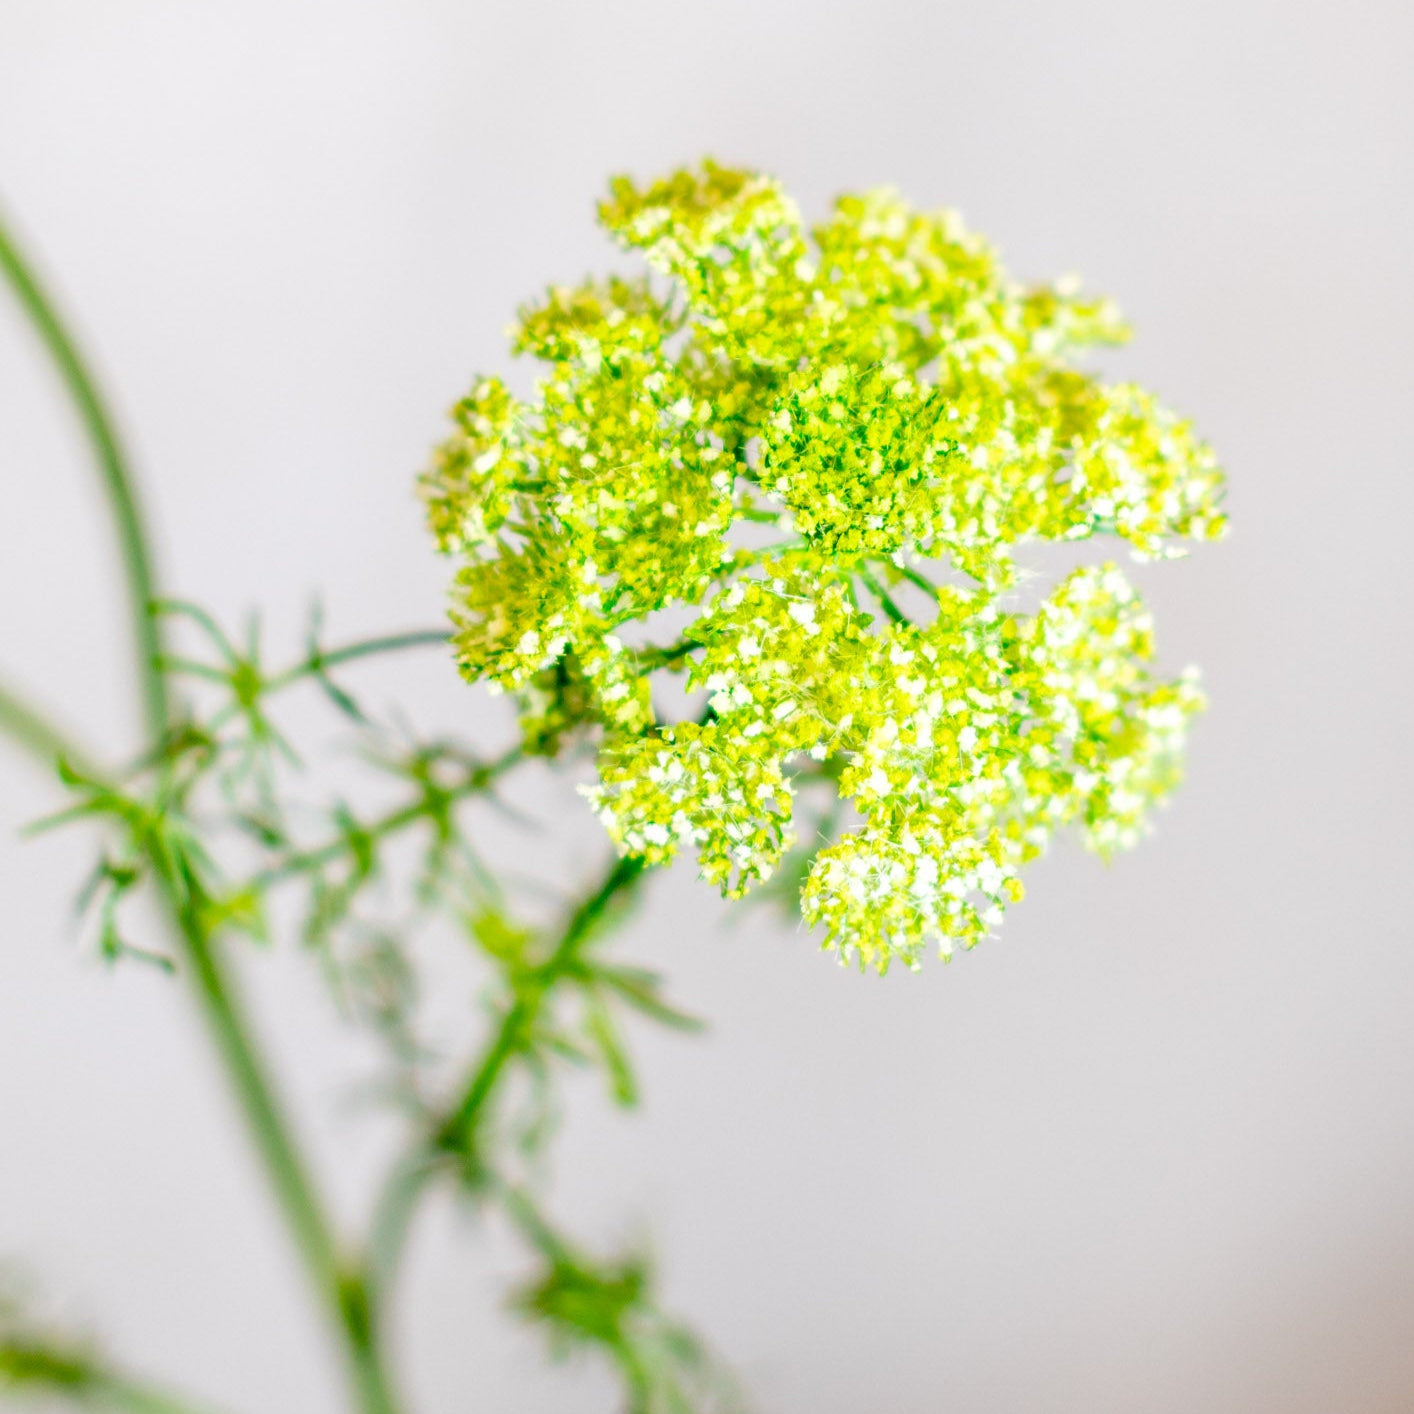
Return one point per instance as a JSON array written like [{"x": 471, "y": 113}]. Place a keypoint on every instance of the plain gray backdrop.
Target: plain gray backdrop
[{"x": 1150, "y": 1150}]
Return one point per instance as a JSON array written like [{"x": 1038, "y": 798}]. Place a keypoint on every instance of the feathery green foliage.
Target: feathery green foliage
[
  {"x": 217, "y": 819},
  {"x": 896, "y": 415}
]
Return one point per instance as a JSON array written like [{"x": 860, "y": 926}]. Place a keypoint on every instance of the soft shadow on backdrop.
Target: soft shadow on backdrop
[{"x": 1152, "y": 1149}]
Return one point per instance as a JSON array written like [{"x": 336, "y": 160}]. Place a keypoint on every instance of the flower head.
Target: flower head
[{"x": 816, "y": 455}]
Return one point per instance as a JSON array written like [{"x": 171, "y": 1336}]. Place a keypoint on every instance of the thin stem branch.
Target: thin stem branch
[
  {"x": 344, "y": 1289},
  {"x": 32, "y": 731},
  {"x": 520, "y": 1208},
  {"x": 920, "y": 581},
  {"x": 32, "y": 1362},
  {"x": 304, "y": 861},
  {"x": 653, "y": 657},
  {"x": 364, "y": 648},
  {"x": 316, "y": 663},
  {"x": 896, "y": 615},
  {"x": 133, "y": 540},
  {"x": 622, "y": 875},
  {"x": 451, "y": 1134},
  {"x": 392, "y": 1218},
  {"x": 120, "y": 1392}
]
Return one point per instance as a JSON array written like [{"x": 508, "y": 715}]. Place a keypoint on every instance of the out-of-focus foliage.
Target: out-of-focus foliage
[
  {"x": 221, "y": 815},
  {"x": 608, "y": 1305},
  {"x": 818, "y": 452}
]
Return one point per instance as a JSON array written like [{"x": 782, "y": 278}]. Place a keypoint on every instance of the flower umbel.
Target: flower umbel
[{"x": 819, "y": 453}]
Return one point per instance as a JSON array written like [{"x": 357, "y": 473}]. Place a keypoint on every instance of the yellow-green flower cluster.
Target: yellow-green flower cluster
[{"x": 816, "y": 453}]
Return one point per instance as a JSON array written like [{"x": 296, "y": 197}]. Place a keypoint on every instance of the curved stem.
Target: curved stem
[
  {"x": 344, "y": 1289},
  {"x": 133, "y": 539}
]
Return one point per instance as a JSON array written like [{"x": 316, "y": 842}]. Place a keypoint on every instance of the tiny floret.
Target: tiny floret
[{"x": 821, "y": 451}]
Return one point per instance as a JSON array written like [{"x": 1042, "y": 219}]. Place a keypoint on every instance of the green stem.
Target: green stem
[
  {"x": 454, "y": 1130},
  {"x": 117, "y": 481},
  {"x": 452, "y": 1133},
  {"x": 316, "y": 663},
  {"x": 344, "y": 1290},
  {"x": 306, "y": 860},
  {"x": 392, "y": 1218},
  {"x": 343, "y": 1286},
  {"x": 920, "y": 581},
  {"x": 119, "y": 1392},
  {"x": 29, "y": 1364},
  {"x": 364, "y": 648},
  {"x": 896, "y": 615},
  {"x": 519, "y": 1207},
  {"x": 652, "y": 658},
  {"x": 30, "y": 729}
]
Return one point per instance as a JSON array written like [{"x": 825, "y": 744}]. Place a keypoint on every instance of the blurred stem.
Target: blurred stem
[
  {"x": 118, "y": 483},
  {"x": 124, "y": 1394},
  {"x": 314, "y": 665},
  {"x": 392, "y": 1218},
  {"x": 342, "y": 1285},
  {"x": 320, "y": 659},
  {"x": 344, "y": 1289},
  {"x": 453, "y": 1133},
  {"x": 920, "y": 581},
  {"x": 521, "y": 1209},
  {"x": 480, "y": 780},
  {"x": 871, "y": 583},
  {"x": 36, "y": 1365},
  {"x": 29, "y": 729},
  {"x": 459, "y": 1123}
]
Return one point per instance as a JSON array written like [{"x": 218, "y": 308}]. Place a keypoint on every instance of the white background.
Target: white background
[{"x": 1151, "y": 1150}]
